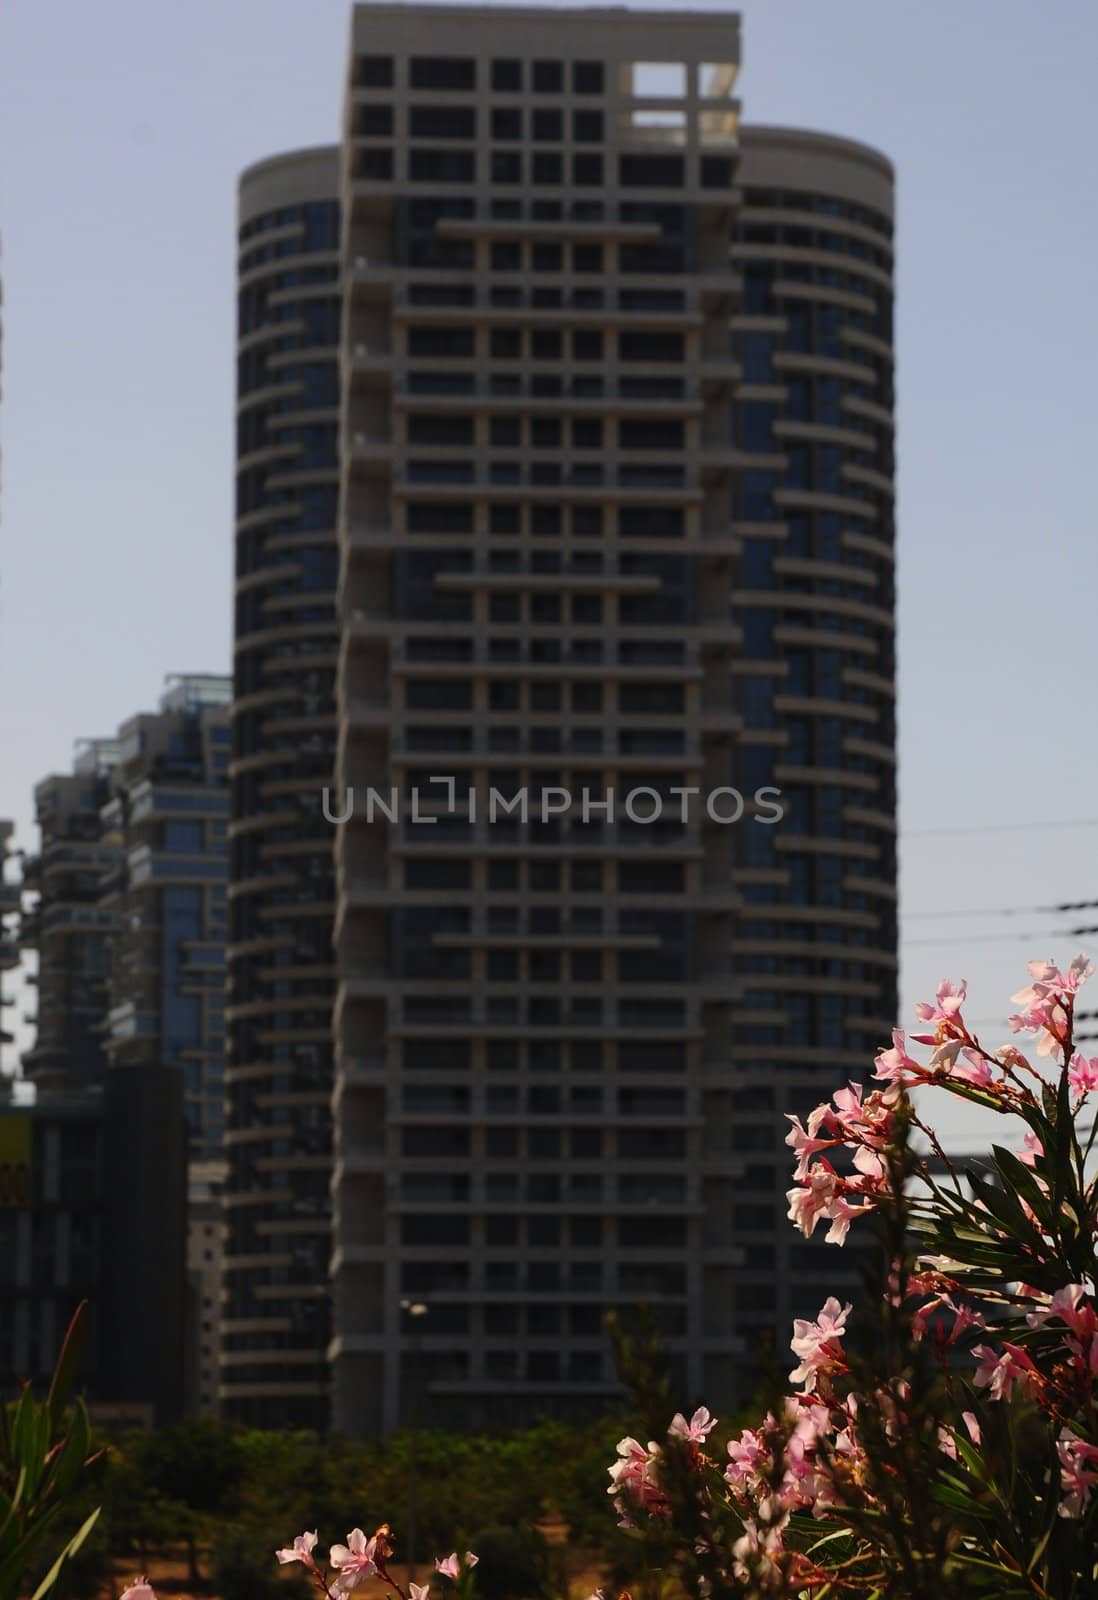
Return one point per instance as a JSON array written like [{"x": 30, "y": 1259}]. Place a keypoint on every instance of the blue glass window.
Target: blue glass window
[
  {"x": 757, "y": 424},
  {"x": 757, "y": 497},
  {"x": 758, "y": 626},
  {"x": 183, "y": 837},
  {"x": 758, "y": 348}
]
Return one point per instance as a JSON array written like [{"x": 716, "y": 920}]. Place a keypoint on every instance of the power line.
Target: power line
[
  {"x": 996, "y": 911},
  {"x": 1002, "y": 938}
]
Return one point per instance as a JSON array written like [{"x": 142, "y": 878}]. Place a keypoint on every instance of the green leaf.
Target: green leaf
[
  {"x": 73, "y": 1452},
  {"x": 1017, "y": 1176},
  {"x": 1065, "y": 1130},
  {"x": 24, "y": 1437},
  {"x": 1003, "y": 1205},
  {"x": 67, "y": 1553},
  {"x": 65, "y": 1369}
]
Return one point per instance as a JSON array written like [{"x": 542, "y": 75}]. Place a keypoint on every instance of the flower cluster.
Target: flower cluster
[
  {"x": 860, "y": 1124},
  {"x": 635, "y": 1476},
  {"x": 976, "y": 1414},
  {"x": 348, "y": 1566}
]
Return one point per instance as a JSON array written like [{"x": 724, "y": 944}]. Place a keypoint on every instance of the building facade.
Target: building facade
[
  {"x": 815, "y": 944},
  {"x": 280, "y": 961},
  {"x": 613, "y": 441},
  {"x": 534, "y": 1014}
]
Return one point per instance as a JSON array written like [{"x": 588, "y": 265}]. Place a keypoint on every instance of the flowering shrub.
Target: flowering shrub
[
  {"x": 348, "y": 1566},
  {"x": 952, "y": 1450}
]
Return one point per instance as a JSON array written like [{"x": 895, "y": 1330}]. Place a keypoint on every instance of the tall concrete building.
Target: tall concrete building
[
  {"x": 615, "y": 515},
  {"x": 280, "y": 961}
]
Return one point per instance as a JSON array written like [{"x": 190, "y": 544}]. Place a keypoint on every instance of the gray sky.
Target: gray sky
[{"x": 123, "y": 125}]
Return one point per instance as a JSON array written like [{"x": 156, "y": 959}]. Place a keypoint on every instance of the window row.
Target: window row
[
  {"x": 506, "y": 75},
  {"x": 430, "y": 164}
]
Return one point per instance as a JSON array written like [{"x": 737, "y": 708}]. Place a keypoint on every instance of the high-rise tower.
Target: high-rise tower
[
  {"x": 607, "y": 391},
  {"x": 814, "y": 950},
  {"x": 534, "y": 1021},
  {"x": 280, "y": 963}
]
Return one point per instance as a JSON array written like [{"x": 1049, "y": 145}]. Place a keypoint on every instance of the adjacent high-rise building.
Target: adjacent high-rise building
[
  {"x": 814, "y": 950},
  {"x": 604, "y": 381},
  {"x": 280, "y": 962}
]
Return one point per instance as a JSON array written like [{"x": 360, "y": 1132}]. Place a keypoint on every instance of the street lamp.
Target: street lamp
[{"x": 414, "y": 1311}]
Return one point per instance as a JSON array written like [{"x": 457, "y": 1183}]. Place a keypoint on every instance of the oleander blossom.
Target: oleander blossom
[
  {"x": 634, "y": 1481},
  {"x": 450, "y": 1566},
  {"x": 1078, "y": 1472},
  {"x": 697, "y": 1430},
  {"x": 301, "y": 1550},
  {"x": 358, "y": 1559},
  {"x": 140, "y": 1589},
  {"x": 818, "y": 1345},
  {"x": 859, "y": 1124}
]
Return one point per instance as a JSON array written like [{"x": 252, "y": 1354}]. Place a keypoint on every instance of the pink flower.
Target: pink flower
[
  {"x": 1078, "y": 1474},
  {"x": 972, "y": 1068},
  {"x": 804, "y": 1141},
  {"x": 998, "y": 1373},
  {"x": 140, "y": 1589},
  {"x": 1065, "y": 1304},
  {"x": 1083, "y": 1074},
  {"x": 817, "y": 1344},
  {"x": 354, "y": 1561},
  {"x": 842, "y": 1214},
  {"x": 946, "y": 1014},
  {"x": 810, "y": 1200},
  {"x": 634, "y": 1480},
  {"x": 1033, "y": 1149},
  {"x": 301, "y": 1550},
  {"x": 451, "y": 1566},
  {"x": 697, "y": 1430},
  {"x": 892, "y": 1064},
  {"x": 748, "y": 1456},
  {"x": 419, "y": 1591},
  {"x": 1046, "y": 1000},
  {"x": 963, "y": 1319}
]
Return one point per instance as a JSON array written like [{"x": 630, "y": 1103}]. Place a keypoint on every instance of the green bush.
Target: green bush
[
  {"x": 243, "y": 1568},
  {"x": 514, "y": 1564}
]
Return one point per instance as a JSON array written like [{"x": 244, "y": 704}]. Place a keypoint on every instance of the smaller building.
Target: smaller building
[
  {"x": 127, "y": 1066},
  {"x": 67, "y": 924},
  {"x": 165, "y": 826},
  {"x": 10, "y": 897},
  {"x": 93, "y": 1207}
]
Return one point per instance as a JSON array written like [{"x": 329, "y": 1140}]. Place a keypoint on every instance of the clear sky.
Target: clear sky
[{"x": 123, "y": 125}]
